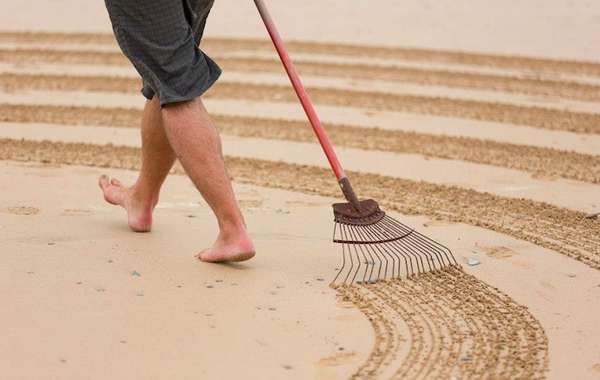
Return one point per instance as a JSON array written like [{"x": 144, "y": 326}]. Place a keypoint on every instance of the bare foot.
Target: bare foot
[
  {"x": 139, "y": 212},
  {"x": 229, "y": 248}
]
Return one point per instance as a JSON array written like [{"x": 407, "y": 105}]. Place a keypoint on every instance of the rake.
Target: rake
[{"x": 375, "y": 246}]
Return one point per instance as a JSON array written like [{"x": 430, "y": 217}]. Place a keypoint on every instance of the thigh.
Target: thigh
[
  {"x": 200, "y": 10},
  {"x": 158, "y": 38}
]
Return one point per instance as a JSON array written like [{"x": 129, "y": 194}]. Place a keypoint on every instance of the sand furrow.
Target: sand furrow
[
  {"x": 514, "y": 84},
  {"x": 539, "y": 161},
  {"x": 582, "y": 122},
  {"x": 393, "y": 53},
  {"x": 565, "y": 231},
  {"x": 386, "y": 347},
  {"x": 504, "y": 339}
]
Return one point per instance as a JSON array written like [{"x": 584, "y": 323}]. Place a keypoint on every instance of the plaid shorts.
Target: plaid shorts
[{"x": 161, "y": 38}]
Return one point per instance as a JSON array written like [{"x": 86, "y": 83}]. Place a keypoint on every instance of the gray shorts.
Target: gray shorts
[{"x": 160, "y": 38}]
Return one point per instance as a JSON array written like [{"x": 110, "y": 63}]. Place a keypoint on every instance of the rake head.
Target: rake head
[{"x": 377, "y": 247}]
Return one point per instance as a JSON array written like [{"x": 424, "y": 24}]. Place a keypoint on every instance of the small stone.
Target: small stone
[
  {"x": 179, "y": 286},
  {"x": 571, "y": 275},
  {"x": 100, "y": 290},
  {"x": 109, "y": 261},
  {"x": 594, "y": 215},
  {"x": 79, "y": 282},
  {"x": 209, "y": 286},
  {"x": 191, "y": 216},
  {"x": 288, "y": 367},
  {"x": 471, "y": 261},
  {"x": 218, "y": 280},
  {"x": 30, "y": 272},
  {"x": 123, "y": 341},
  {"x": 62, "y": 360},
  {"x": 341, "y": 348},
  {"x": 272, "y": 309},
  {"x": 51, "y": 243},
  {"x": 136, "y": 274},
  {"x": 320, "y": 279},
  {"x": 140, "y": 294}
]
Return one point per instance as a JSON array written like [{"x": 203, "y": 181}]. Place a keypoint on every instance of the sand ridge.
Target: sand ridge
[
  {"x": 566, "y": 231},
  {"x": 556, "y": 119},
  {"x": 536, "y": 160},
  {"x": 457, "y": 326},
  {"x": 396, "y": 53},
  {"x": 516, "y": 84}
]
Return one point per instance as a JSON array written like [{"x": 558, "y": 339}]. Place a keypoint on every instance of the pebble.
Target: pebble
[
  {"x": 136, "y": 274},
  {"x": 471, "y": 261}
]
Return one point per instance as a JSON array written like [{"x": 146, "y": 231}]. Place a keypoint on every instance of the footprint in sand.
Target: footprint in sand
[
  {"x": 499, "y": 252},
  {"x": 23, "y": 210}
]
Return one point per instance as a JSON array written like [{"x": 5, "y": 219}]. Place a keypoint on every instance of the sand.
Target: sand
[{"x": 489, "y": 148}]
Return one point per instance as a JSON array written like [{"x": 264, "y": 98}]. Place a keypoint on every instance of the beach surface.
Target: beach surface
[{"x": 477, "y": 125}]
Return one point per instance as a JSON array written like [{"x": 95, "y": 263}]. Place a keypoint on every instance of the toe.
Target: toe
[
  {"x": 116, "y": 182},
  {"x": 103, "y": 181}
]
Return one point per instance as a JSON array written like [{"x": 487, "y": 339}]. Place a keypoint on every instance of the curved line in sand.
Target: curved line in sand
[
  {"x": 394, "y": 53},
  {"x": 555, "y": 119},
  {"x": 513, "y": 84},
  {"x": 454, "y": 326},
  {"x": 566, "y": 231},
  {"x": 536, "y": 160}
]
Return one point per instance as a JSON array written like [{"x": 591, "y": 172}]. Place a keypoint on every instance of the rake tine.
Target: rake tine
[
  {"x": 341, "y": 270},
  {"x": 432, "y": 244},
  {"x": 384, "y": 251},
  {"x": 383, "y": 254},
  {"x": 367, "y": 247},
  {"x": 399, "y": 246},
  {"x": 410, "y": 242},
  {"x": 353, "y": 246},
  {"x": 381, "y": 235},
  {"x": 419, "y": 240},
  {"x": 344, "y": 237},
  {"x": 440, "y": 247},
  {"x": 360, "y": 248},
  {"x": 386, "y": 221}
]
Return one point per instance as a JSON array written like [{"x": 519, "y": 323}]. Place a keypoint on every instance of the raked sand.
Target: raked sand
[{"x": 486, "y": 145}]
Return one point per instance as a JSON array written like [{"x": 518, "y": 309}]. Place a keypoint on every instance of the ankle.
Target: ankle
[
  {"x": 143, "y": 197},
  {"x": 232, "y": 229}
]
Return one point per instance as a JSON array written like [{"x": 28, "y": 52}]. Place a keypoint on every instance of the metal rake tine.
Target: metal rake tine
[
  {"x": 369, "y": 235},
  {"x": 370, "y": 247},
  {"x": 409, "y": 241},
  {"x": 344, "y": 237},
  {"x": 383, "y": 251},
  {"x": 381, "y": 236},
  {"x": 432, "y": 244},
  {"x": 442, "y": 248},
  {"x": 335, "y": 227},
  {"x": 399, "y": 246},
  {"x": 353, "y": 246},
  {"x": 399, "y": 228},
  {"x": 354, "y": 238},
  {"x": 438, "y": 246}
]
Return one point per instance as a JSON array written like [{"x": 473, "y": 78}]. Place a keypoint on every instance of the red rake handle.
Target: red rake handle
[
  {"x": 335, "y": 164},
  {"x": 300, "y": 91}
]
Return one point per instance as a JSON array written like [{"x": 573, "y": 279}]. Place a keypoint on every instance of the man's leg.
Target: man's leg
[
  {"x": 196, "y": 142},
  {"x": 157, "y": 160}
]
